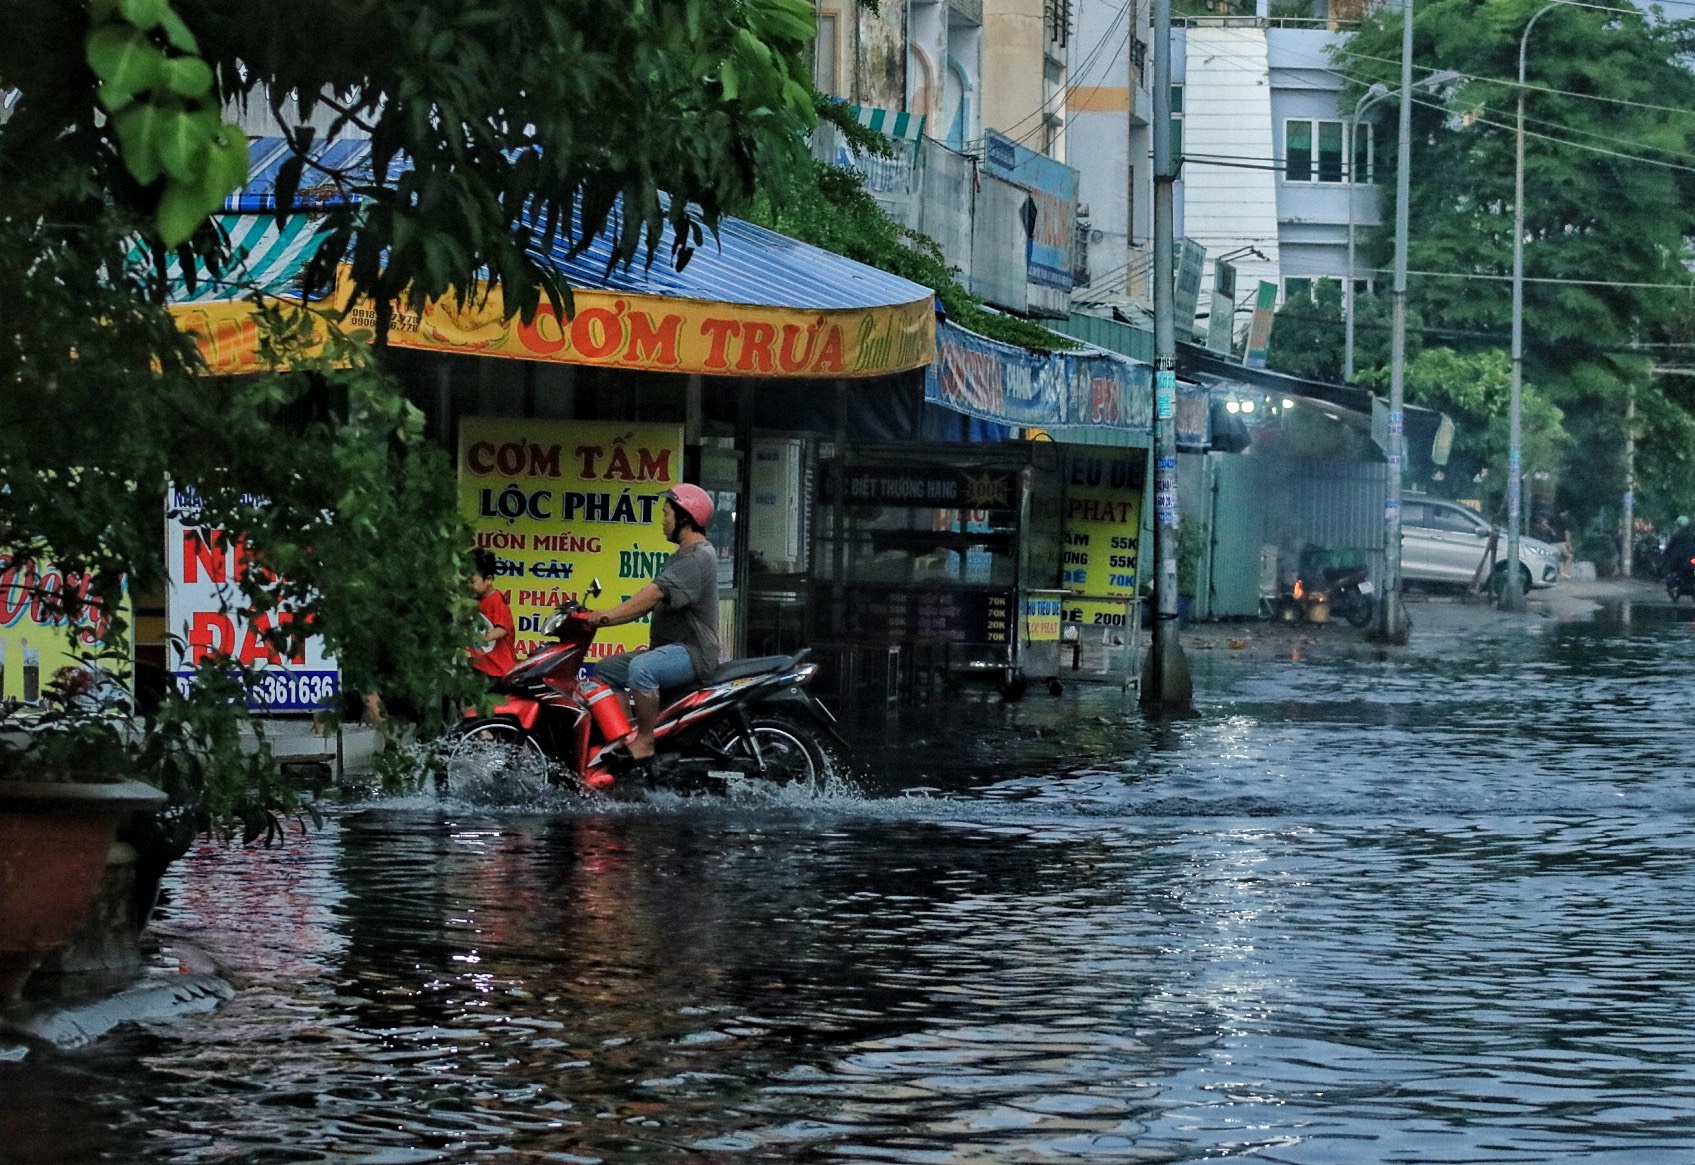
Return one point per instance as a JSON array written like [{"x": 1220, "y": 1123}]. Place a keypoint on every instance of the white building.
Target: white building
[{"x": 1272, "y": 170}]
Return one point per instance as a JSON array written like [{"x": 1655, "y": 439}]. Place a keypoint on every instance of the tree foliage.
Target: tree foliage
[
  {"x": 1473, "y": 388},
  {"x": 497, "y": 126},
  {"x": 1308, "y": 336},
  {"x": 518, "y": 123},
  {"x": 1609, "y": 202}
]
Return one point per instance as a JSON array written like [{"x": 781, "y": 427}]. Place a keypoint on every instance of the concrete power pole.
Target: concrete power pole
[
  {"x": 1391, "y": 615},
  {"x": 1167, "y": 689}
]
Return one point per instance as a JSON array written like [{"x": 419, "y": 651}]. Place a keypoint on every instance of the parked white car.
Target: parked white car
[{"x": 1444, "y": 541}]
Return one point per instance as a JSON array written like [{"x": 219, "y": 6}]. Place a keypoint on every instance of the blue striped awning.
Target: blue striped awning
[
  {"x": 266, "y": 254},
  {"x": 741, "y": 264}
]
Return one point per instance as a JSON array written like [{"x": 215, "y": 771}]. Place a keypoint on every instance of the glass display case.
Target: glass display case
[{"x": 932, "y": 556}]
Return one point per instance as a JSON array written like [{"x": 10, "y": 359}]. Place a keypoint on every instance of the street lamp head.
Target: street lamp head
[{"x": 1436, "y": 80}]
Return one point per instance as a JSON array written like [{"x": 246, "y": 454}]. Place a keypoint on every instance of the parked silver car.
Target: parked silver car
[{"x": 1444, "y": 542}]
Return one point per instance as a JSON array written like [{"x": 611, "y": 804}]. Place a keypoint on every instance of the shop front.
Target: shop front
[
  {"x": 997, "y": 533},
  {"x": 568, "y": 428}
]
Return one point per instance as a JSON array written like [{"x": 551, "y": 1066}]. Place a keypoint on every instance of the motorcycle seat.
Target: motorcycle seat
[{"x": 737, "y": 669}]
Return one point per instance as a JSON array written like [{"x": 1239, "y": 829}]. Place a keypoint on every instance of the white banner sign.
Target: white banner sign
[{"x": 203, "y": 614}]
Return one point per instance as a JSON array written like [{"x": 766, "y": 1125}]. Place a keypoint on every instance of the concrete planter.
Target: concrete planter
[{"x": 55, "y": 839}]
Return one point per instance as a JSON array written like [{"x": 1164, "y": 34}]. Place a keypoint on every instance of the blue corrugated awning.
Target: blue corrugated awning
[{"x": 741, "y": 264}]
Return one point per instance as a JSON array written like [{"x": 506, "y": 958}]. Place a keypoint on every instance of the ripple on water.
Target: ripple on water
[{"x": 1421, "y": 911}]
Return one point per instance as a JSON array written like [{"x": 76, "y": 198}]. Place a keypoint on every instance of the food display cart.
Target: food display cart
[{"x": 931, "y": 556}]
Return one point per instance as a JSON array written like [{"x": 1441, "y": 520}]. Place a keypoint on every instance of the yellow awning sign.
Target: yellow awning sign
[{"x": 621, "y": 330}]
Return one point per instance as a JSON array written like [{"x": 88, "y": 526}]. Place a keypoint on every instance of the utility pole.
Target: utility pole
[
  {"x": 1391, "y": 616},
  {"x": 1512, "y": 594},
  {"x": 1167, "y": 688},
  {"x": 1627, "y": 536}
]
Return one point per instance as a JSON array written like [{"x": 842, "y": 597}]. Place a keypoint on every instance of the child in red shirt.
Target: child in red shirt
[{"x": 499, "y": 656}]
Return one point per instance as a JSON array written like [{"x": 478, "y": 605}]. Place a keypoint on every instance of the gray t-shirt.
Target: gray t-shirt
[{"x": 689, "y": 612}]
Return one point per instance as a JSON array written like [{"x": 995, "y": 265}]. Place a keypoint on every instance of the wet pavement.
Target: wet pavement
[{"x": 1426, "y": 905}]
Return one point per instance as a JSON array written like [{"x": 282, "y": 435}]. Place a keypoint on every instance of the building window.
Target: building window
[
  {"x": 1312, "y": 151},
  {"x": 1365, "y": 160},
  {"x": 824, "y": 50},
  {"x": 1177, "y": 124},
  {"x": 1297, "y": 290},
  {"x": 1056, "y": 15}
]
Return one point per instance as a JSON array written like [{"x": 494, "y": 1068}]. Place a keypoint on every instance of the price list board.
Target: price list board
[{"x": 884, "y": 615}]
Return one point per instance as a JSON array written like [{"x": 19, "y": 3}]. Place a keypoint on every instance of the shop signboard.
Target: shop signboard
[
  {"x": 620, "y": 330},
  {"x": 1051, "y": 225},
  {"x": 563, "y": 503},
  {"x": 1042, "y": 617},
  {"x": 1055, "y": 391},
  {"x": 1103, "y": 523},
  {"x": 923, "y": 487},
  {"x": 49, "y": 620},
  {"x": 1259, "y": 331},
  {"x": 203, "y": 610}
]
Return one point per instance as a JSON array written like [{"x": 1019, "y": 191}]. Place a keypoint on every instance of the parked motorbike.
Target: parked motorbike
[
  {"x": 752, "y": 719},
  {"x": 1350, "y": 589},
  {"x": 1647, "y": 556},
  {"x": 1679, "y": 579},
  {"x": 1322, "y": 590}
]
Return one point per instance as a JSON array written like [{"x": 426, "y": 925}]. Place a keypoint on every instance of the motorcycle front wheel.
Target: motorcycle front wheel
[
  {"x": 1356, "y": 609},
  {"x": 495, "y": 756},
  {"x": 792, "y": 754}
]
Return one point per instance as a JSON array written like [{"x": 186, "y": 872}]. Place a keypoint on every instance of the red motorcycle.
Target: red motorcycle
[{"x": 750, "y": 719}]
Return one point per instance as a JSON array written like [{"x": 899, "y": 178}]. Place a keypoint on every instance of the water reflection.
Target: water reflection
[{"x": 1423, "y": 909}]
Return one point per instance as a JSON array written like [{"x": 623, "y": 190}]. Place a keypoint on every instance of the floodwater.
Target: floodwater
[{"x": 1429, "y": 909}]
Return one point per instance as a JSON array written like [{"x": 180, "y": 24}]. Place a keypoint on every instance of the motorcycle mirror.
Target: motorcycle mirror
[{"x": 594, "y": 589}]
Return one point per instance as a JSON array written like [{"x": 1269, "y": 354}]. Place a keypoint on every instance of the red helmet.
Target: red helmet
[{"x": 693, "y": 501}]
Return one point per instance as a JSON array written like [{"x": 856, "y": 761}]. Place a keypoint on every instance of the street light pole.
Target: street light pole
[
  {"x": 1512, "y": 593},
  {"x": 1378, "y": 89},
  {"x": 1391, "y": 616}
]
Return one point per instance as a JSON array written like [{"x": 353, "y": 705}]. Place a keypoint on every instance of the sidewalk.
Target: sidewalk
[{"x": 1431, "y": 613}]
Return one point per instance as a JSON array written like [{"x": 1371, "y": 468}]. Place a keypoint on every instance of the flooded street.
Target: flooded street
[{"x": 1435, "y": 908}]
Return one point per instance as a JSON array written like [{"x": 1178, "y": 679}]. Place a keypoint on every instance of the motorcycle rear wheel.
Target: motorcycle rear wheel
[
  {"x": 793, "y": 755},
  {"x": 498, "y": 755}
]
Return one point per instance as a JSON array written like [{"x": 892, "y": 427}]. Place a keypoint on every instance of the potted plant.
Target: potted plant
[{"x": 55, "y": 833}]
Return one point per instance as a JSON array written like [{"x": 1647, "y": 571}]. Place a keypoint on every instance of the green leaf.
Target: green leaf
[
  {"x": 730, "y": 79},
  {"x": 188, "y": 77},
  {"x": 126, "y": 62},
  {"x": 134, "y": 130},
  {"x": 226, "y": 164},
  {"x": 177, "y": 33},
  {"x": 144, "y": 14},
  {"x": 183, "y": 139},
  {"x": 799, "y": 98},
  {"x": 182, "y": 208}
]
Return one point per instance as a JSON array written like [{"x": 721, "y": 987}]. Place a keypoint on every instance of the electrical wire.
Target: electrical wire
[{"x": 1512, "y": 83}]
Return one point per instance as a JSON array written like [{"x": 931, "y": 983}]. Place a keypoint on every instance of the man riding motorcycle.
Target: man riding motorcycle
[
  {"x": 1680, "y": 547},
  {"x": 683, "y": 598}
]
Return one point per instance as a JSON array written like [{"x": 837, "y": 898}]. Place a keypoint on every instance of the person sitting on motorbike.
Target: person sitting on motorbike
[
  {"x": 683, "y": 598},
  {"x": 498, "y": 655},
  {"x": 1680, "y": 547}
]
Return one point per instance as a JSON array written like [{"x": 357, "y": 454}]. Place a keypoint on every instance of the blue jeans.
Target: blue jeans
[{"x": 648, "y": 671}]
